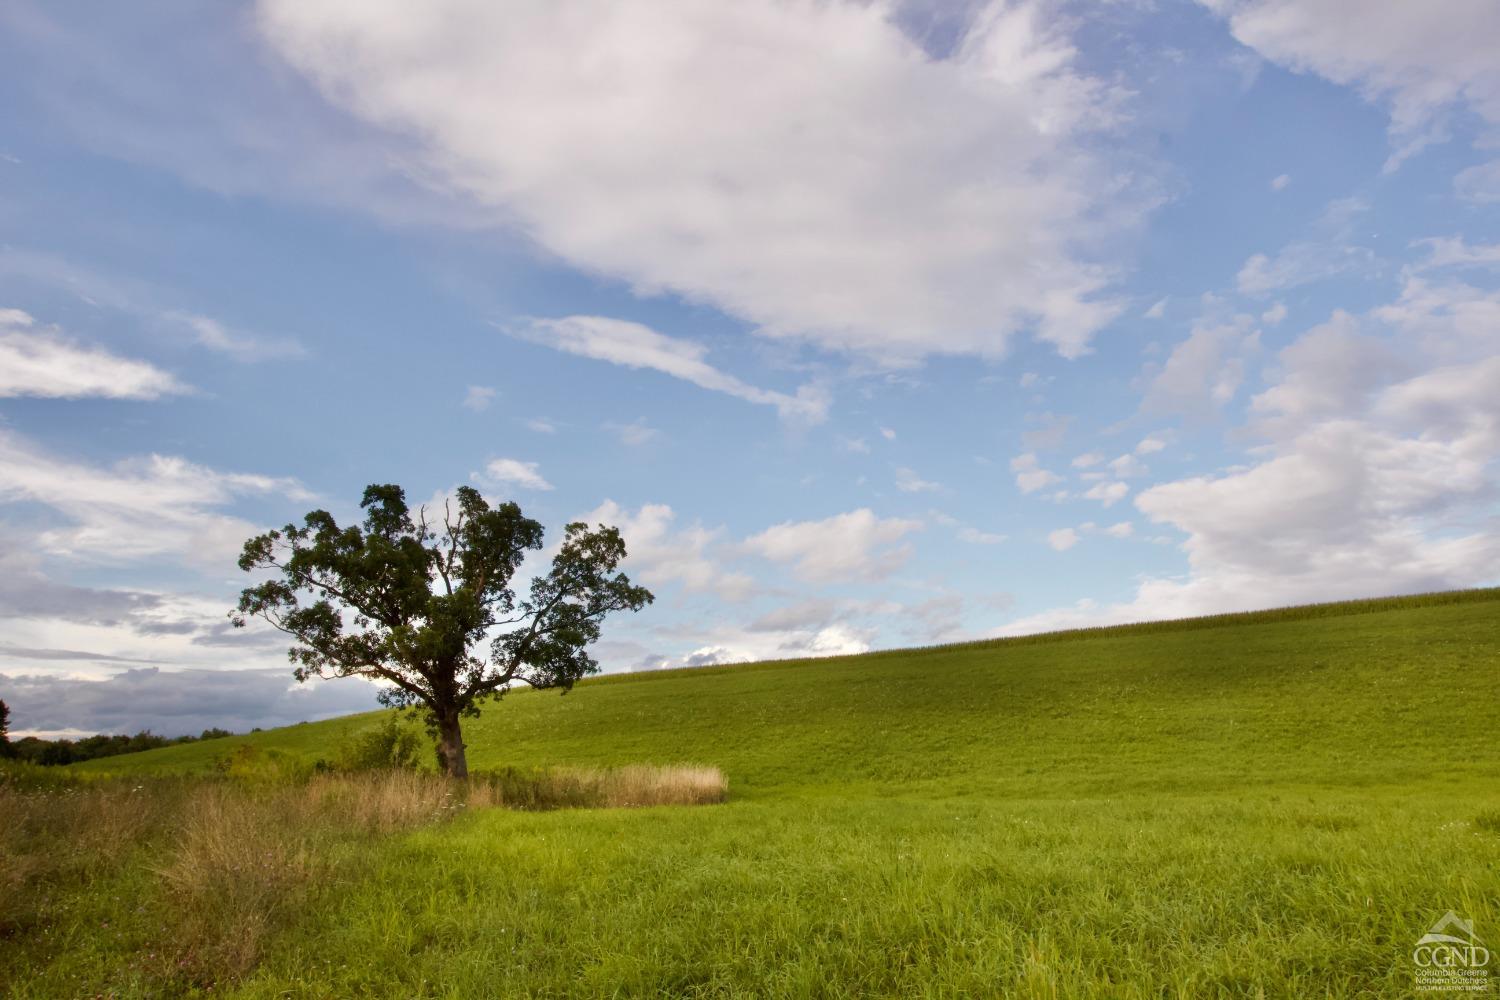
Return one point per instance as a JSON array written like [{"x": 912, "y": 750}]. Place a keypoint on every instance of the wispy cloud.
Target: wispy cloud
[
  {"x": 38, "y": 361},
  {"x": 634, "y": 345}
]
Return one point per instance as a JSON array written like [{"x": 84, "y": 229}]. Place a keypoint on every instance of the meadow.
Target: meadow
[{"x": 1267, "y": 805}]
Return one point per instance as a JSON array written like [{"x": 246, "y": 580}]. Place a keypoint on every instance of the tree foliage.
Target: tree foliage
[{"x": 430, "y": 610}]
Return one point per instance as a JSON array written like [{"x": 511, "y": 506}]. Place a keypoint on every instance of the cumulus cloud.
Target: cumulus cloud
[
  {"x": 1062, "y": 539},
  {"x": 846, "y": 547},
  {"x": 1030, "y": 476},
  {"x": 1327, "y": 371},
  {"x": 634, "y": 345},
  {"x": 1107, "y": 493},
  {"x": 1376, "y": 475},
  {"x": 1150, "y": 445},
  {"x": 730, "y": 645},
  {"x": 779, "y": 161},
  {"x": 38, "y": 361},
  {"x": 662, "y": 553},
  {"x": 513, "y": 472},
  {"x": 1205, "y": 371},
  {"x": 1422, "y": 61}
]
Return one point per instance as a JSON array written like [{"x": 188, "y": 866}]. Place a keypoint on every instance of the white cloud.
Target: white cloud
[
  {"x": 1422, "y": 60},
  {"x": 1123, "y": 529},
  {"x": 513, "y": 472},
  {"x": 727, "y": 644},
  {"x": 1087, "y": 460},
  {"x": 1326, "y": 372},
  {"x": 856, "y": 446},
  {"x": 478, "y": 398},
  {"x": 1108, "y": 494},
  {"x": 1049, "y": 430},
  {"x": 660, "y": 553},
  {"x": 1030, "y": 476},
  {"x": 540, "y": 425},
  {"x": 1274, "y": 315},
  {"x": 1157, "y": 311},
  {"x": 1378, "y": 476},
  {"x": 779, "y": 161},
  {"x": 846, "y": 547},
  {"x": 888, "y": 433},
  {"x": 633, "y": 434},
  {"x": 179, "y": 90},
  {"x": 1328, "y": 253},
  {"x": 1150, "y": 445},
  {"x": 635, "y": 345},
  {"x": 214, "y": 335},
  {"x": 1127, "y": 466},
  {"x": 1203, "y": 372},
  {"x": 40, "y": 362},
  {"x": 1062, "y": 539},
  {"x": 907, "y": 481},
  {"x": 976, "y": 537},
  {"x": 1455, "y": 251},
  {"x": 1480, "y": 183},
  {"x": 143, "y": 507},
  {"x": 1280, "y": 181}
]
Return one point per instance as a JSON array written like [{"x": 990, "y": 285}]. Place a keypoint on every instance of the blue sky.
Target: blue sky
[{"x": 870, "y": 324}]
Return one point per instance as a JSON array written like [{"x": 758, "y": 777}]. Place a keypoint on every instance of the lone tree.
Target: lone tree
[
  {"x": 407, "y": 602},
  {"x": 5, "y": 748}
]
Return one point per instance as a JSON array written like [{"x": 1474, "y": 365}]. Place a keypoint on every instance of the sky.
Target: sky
[{"x": 869, "y": 324}]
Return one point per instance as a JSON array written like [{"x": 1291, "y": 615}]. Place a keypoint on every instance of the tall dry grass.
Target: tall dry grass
[
  {"x": 233, "y": 858},
  {"x": 592, "y": 787}
]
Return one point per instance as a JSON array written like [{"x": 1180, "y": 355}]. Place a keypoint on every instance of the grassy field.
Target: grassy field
[{"x": 1275, "y": 804}]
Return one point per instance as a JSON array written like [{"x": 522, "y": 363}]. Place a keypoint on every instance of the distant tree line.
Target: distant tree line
[{"x": 51, "y": 752}]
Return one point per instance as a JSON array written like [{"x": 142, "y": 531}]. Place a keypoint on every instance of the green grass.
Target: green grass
[{"x": 1274, "y": 804}]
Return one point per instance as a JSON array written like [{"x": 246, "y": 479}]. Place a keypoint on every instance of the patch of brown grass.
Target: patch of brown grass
[{"x": 632, "y": 785}]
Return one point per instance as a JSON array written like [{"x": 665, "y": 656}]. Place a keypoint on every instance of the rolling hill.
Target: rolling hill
[{"x": 1278, "y": 803}]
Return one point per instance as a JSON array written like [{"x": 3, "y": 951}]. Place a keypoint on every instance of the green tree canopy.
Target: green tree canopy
[{"x": 430, "y": 609}]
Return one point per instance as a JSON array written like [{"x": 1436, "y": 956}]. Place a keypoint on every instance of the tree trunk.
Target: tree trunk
[{"x": 451, "y": 746}]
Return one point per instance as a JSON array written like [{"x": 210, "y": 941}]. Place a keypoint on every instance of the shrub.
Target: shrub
[
  {"x": 255, "y": 765},
  {"x": 388, "y": 747}
]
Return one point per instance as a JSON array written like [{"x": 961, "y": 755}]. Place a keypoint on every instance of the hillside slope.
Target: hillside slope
[
  {"x": 1382, "y": 692},
  {"x": 1274, "y": 805}
]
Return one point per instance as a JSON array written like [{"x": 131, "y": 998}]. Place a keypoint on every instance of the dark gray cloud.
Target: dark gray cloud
[
  {"x": 28, "y": 594},
  {"x": 174, "y": 702}
]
